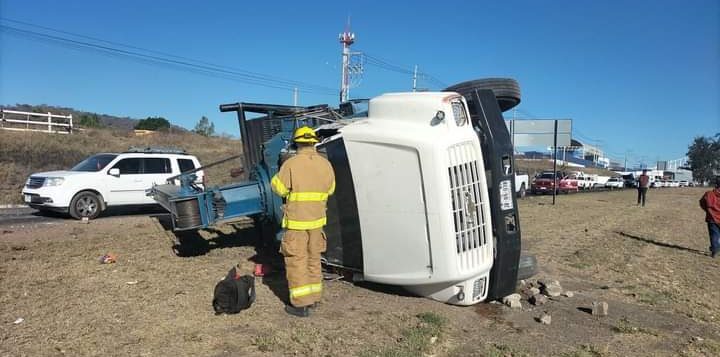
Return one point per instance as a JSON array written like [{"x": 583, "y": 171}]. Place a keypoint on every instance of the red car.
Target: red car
[{"x": 544, "y": 183}]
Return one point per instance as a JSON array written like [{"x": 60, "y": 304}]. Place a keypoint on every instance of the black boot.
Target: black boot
[{"x": 297, "y": 311}]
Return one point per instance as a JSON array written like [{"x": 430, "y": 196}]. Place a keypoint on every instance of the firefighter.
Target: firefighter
[{"x": 305, "y": 181}]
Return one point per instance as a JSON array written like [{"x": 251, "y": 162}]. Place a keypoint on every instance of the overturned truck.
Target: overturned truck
[{"x": 424, "y": 187}]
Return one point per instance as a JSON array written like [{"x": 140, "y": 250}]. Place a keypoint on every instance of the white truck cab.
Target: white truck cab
[
  {"x": 422, "y": 198},
  {"x": 106, "y": 179}
]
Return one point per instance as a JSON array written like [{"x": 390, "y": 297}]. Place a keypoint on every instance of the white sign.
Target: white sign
[{"x": 506, "y": 193}]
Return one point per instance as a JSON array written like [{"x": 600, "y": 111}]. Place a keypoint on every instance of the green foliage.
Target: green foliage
[
  {"x": 205, "y": 127},
  {"x": 153, "y": 123},
  {"x": 90, "y": 121},
  {"x": 704, "y": 156}
]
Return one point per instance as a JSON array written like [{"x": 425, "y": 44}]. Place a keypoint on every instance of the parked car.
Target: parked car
[
  {"x": 657, "y": 183},
  {"x": 684, "y": 183},
  {"x": 629, "y": 180},
  {"x": 521, "y": 184},
  {"x": 584, "y": 181},
  {"x": 615, "y": 182},
  {"x": 105, "y": 180},
  {"x": 545, "y": 183}
]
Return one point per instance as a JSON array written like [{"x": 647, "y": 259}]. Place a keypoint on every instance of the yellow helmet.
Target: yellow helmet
[{"x": 305, "y": 134}]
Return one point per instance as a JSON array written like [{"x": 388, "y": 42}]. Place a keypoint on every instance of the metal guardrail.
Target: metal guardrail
[{"x": 40, "y": 122}]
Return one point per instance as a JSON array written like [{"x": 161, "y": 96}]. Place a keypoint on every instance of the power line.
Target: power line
[
  {"x": 386, "y": 65},
  {"x": 181, "y": 63}
]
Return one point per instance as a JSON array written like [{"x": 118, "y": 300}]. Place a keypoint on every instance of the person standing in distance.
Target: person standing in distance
[
  {"x": 305, "y": 181},
  {"x": 643, "y": 184},
  {"x": 710, "y": 203}
]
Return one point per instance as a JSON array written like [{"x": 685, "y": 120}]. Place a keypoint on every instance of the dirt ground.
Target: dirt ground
[{"x": 649, "y": 264}]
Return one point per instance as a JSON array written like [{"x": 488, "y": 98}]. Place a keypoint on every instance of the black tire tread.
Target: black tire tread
[
  {"x": 72, "y": 210},
  {"x": 506, "y": 90}
]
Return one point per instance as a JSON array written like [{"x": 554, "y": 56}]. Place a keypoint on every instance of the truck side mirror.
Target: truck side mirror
[{"x": 114, "y": 172}]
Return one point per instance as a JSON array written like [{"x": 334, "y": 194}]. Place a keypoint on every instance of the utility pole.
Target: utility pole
[
  {"x": 295, "y": 96},
  {"x": 625, "y": 164},
  {"x": 415, "y": 79},
  {"x": 347, "y": 38}
]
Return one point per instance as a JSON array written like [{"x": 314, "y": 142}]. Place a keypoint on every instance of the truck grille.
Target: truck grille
[
  {"x": 35, "y": 182},
  {"x": 466, "y": 198}
]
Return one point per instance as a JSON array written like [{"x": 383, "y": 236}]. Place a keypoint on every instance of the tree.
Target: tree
[
  {"x": 704, "y": 157},
  {"x": 205, "y": 127},
  {"x": 153, "y": 123},
  {"x": 90, "y": 121}
]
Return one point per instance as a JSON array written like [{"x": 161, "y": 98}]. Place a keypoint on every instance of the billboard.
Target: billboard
[{"x": 539, "y": 132}]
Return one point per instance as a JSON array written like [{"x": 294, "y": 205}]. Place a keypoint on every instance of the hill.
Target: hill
[
  {"x": 106, "y": 120},
  {"x": 22, "y": 153}
]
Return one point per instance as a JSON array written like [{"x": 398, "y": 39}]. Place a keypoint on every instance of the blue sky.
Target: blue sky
[{"x": 635, "y": 76}]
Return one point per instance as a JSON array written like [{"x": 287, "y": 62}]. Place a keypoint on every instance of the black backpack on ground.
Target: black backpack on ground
[{"x": 232, "y": 294}]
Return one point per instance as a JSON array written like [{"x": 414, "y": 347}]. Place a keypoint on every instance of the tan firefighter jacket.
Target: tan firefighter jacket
[{"x": 305, "y": 181}]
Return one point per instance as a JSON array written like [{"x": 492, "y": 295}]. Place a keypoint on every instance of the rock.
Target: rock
[
  {"x": 546, "y": 282},
  {"x": 533, "y": 291},
  {"x": 523, "y": 283},
  {"x": 513, "y": 301},
  {"x": 568, "y": 294},
  {"x": 552, "y": 290},
  {"x": 433, "y": 339},
  {"x": 538, "y": 299},
  {"x": 599, "y": 308},
  {"x": 545, "y": 319}
]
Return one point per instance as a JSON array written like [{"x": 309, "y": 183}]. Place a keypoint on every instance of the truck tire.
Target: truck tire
[
  {"x": 522, "y": 192},
  {"x": 85, "y": 204},
  {"x": 506, "y": 90}
]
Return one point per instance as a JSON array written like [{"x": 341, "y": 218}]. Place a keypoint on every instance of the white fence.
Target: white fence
[{"x": 26, "y": 121}]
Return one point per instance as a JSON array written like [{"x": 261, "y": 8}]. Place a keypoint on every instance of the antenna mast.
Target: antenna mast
[{"x": 347, "y": 38}]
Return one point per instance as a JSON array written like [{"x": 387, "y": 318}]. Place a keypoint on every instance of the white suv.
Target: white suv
[
  {"x": 615, "y": 182},
  {"x": 104, "y": 180}
]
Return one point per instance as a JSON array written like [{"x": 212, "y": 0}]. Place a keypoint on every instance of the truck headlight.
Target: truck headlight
[
  {"x": 459, "y": 113},
  {"x": 54, "y": 181}
]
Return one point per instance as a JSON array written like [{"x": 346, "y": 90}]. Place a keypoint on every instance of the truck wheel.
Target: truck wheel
[
  {"x": 506, "y": 90},
  {"x": 85, "y": 204},
  {"x": 522, "y": 192}
]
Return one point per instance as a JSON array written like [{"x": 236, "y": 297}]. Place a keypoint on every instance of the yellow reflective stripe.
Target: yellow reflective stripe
[
  {"x": 300, "y": 291},
  {"x": 305, "y": 290},
  {"x": 332, "y": 188},
  {"x": 279, "y": 187},
  {"x": 308, "y": 196},
  {"x": 303, "y": 225}
]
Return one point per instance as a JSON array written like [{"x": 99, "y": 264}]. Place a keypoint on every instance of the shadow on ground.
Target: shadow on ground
[
  {"x": 191, "y": 243},
  {"x": 660, "y": 244}
]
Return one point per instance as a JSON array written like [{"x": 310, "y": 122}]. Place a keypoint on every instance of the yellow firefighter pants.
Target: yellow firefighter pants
[{"x": 302, "y": 249}]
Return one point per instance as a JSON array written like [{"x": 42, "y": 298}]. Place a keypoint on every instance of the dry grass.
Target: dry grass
[
  {"x": 153, "y": 303},
  {"x": 22, "y": 153}
]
